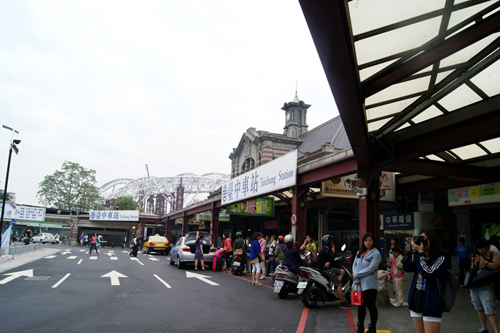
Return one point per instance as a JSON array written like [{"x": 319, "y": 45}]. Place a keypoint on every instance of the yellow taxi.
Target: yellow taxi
[{"x": 156, "y": 243}]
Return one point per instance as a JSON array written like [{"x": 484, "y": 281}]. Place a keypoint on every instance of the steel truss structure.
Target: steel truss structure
[{"x": 157, "y": 192}]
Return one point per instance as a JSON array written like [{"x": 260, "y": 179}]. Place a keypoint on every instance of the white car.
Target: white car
[{"x": 45, "y": 238}]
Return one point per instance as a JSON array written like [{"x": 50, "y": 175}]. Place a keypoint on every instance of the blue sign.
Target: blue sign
[{"x": 399, "y": 221}]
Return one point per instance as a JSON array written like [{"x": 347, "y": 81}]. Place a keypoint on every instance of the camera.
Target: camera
[{"x": 419, "y": 240}]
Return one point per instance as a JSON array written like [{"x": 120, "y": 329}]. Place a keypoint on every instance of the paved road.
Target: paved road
[{"x": 71, "y": 291}]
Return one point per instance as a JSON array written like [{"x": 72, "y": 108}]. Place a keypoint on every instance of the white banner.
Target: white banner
[
  {"x": 275, "y": 175},
  {"x": 23, "y": 213},
  {"x": 114, "y": 215},
  {"x": 6, "y": 237}
]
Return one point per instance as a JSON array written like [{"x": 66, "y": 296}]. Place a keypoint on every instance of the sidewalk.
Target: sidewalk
[
  {"x": 462, "y": 318},
  {"x": 31, "y": 253}
]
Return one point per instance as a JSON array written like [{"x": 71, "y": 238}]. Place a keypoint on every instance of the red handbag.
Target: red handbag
[{"x": 357, "y": 296}]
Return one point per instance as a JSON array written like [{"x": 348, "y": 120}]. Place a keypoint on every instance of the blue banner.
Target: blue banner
[{"x": 404, "y": 221}]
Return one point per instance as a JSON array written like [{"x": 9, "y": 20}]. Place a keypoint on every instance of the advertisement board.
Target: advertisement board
[
  {"x": 474, "y": 194},
  {"x": 259, "y": 206},
  {"x": 275, "y": 175},
  {"x": 114, "y": 215},
  {"x": 339, "y": 187},
  {"x": 23, "y": 213}
]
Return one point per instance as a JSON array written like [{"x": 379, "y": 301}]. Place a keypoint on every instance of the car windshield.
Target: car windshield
[{"x": 157, "y": 239}]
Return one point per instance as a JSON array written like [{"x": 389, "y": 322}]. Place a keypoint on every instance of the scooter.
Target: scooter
[
  {"x": 237, "y": 264},
  {"x": 315, "y": 287},
  {"x": 285, "y": 281}
]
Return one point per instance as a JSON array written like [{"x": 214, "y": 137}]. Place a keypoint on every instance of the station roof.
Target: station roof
[{"x": 417, "y": 85}]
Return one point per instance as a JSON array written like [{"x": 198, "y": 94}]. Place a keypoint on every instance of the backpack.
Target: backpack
[{"x": 450, "y": 290}]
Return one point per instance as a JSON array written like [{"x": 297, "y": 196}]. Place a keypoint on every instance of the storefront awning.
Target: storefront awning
[{"x": 38, "y": 224}]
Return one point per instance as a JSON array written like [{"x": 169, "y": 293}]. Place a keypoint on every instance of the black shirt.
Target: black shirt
[{"x": 325, "y": 255}]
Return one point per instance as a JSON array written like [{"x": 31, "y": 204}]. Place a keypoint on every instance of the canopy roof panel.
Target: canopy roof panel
[{"x": 414, "y": 81}]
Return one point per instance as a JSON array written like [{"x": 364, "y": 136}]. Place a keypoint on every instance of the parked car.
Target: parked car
[
  {"x": 44, "y": 238},
  {"x": 156, "y": 243},
  {"x": 182, "y": 253}
]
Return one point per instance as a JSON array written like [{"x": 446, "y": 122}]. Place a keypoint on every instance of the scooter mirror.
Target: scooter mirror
[{"x": 343, "y": 247}]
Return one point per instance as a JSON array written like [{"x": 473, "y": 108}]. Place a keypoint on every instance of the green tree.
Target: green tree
[
  {"x": 72, "y": 187},
  {"x": 125, "y": 203},
  {"x": 8, "y": 198}
]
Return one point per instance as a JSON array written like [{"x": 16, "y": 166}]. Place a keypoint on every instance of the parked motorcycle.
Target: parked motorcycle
[
  {"x": 237, "y": 264},
  {"x": 285, "y": 281},
  {"x": 316, "y": 287}
]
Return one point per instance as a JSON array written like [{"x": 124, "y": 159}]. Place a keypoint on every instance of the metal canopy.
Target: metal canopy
[{"x": 417, "y": 85}]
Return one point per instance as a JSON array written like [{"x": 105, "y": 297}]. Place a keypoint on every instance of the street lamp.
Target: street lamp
[{"x": 13, "y": 146}]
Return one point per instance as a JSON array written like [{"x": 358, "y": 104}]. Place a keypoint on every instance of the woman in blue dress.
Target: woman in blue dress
[{"x": 198, "y": 254}]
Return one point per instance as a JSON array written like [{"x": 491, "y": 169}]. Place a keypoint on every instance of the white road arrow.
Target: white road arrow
[
  {"x": 15, "y": 275},
  {"x": 115, "y": 277},
  {"x": 201, "y": 278}
]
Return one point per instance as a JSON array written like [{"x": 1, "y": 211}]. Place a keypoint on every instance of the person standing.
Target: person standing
[
  {"x": 482, "y": 297},
  {"x": 93, "y": 244},
  {"x": 463, "y": 253},
  {"x": 397, "y": 275},
  {"x": 271, "y": 263},
  {"x": 364, "y": 275},
  {"x": 228, "y": 249},
  {"x": 255, "y": 256},
  {"x": 82, "y": 238},
  {"x": 135, "y": 245},
  {"x": 198, "y": 254},
  {"x": 430, "y": 266},
  {"x": 263, "y": 244}
]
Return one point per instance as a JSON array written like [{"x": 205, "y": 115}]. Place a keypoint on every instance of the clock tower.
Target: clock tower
[{"x": 295, "y": 117}]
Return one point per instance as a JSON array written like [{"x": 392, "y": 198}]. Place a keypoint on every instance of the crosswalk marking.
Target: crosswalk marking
[
  {"x": 154, "y": 259},
  {"x": 135, "y": 259},
  {"x": 113, "y": 258},
  {"x": 72, "y": 257},
  {"x": 49, "y": 257},
  {"x": 93, "y": 258}
]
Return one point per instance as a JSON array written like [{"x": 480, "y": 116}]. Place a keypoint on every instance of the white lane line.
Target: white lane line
[
  {"x": 83, "y": 250},
  {"x": 154, "y": 259},
  {"x": 113, "y": 258},
  {"x": 111, "y": 251},
  {"x": 80, "y": 261},
  {"x": 61, "y": 281},
  {"x": 93, "y": 258},
  {"x": 166, "y": 284},
  {"x": 135, "y": 259},
  {"x": 49, "y": 257},
  {"x": 72, "y": 257},
  {"x": 125, "y": 251}
]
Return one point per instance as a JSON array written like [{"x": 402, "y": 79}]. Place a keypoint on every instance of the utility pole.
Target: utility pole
[{"x": 147, "y": 169}]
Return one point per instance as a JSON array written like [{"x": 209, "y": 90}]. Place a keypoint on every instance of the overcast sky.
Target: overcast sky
[{"x": 115, "y": 85}]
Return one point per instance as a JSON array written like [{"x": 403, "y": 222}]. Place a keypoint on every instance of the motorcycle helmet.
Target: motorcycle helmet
[
  {"x": 282, "y": 239},
  {"x": 326, "y": 240},
  {"x": 238, "y": 234},
  {"x": 288, "y": 239}
]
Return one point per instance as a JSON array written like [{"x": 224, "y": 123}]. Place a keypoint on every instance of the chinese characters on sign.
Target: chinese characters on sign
[
  {"x": 24, "y": 213},
  {"x": 275, "y": 175},
  {"x": 399, "y": 221},
  {"x": 114, "y": 215}
]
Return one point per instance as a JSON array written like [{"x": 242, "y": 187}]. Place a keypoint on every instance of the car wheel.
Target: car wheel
[
  {"x": 180, "y": 265},
  {"x": 171, "y": 261},
  {"x": 42, "y": 242}
]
